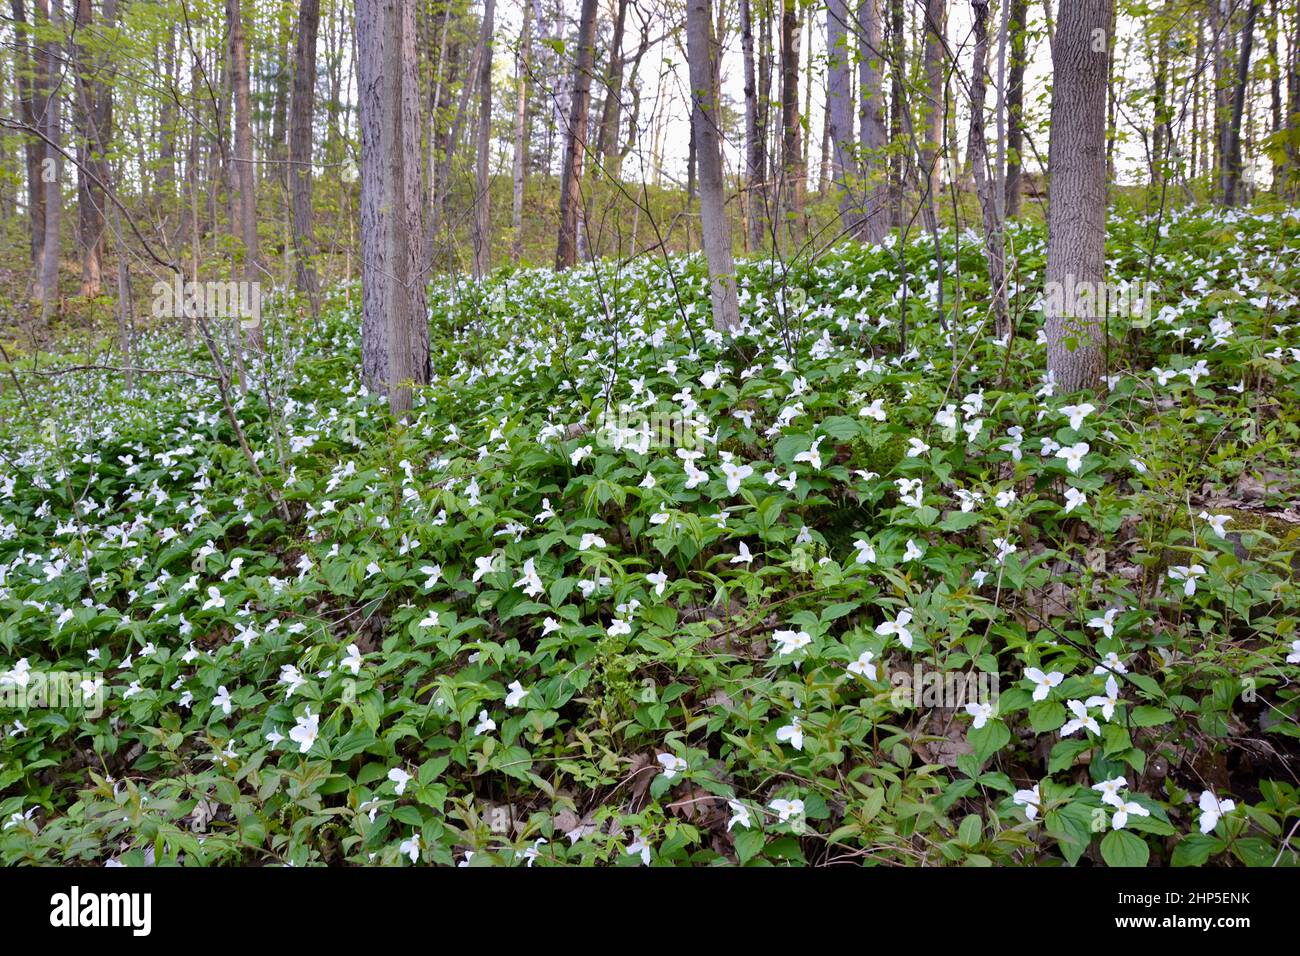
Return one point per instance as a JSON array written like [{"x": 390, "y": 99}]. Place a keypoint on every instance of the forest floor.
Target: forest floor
[{"x": 625, "y": 590}]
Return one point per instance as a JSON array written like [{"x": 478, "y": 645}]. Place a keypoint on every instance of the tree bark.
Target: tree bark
[
  {"x": 898, "y": 51},
  {"x": 52, "y": 168},
  {"x": 754, "y": 145},
  {"x": 793, "y": 174},
  {"x": 1292, "y": 178},
  {"x": 1076, "y": 243},
  {"x": 844, "y": 168},
  {"x": 1018, "y": 13},
  {"x": 29, "y": 83},
  {"x": 977, "y": 151},
  {"x": 394, "y": 326},
  {"x": 93, "y": 111},
  {"x": 245, "y": 172},
  {"x": 1232, "y": 150},
  {"x": 934, "y": 109},
  {"x": 520, "y": 176},
  {"x": 1275, "y": 93},
  {"x": 301, "y": 106},
  {"x": 611, "y": 109},
  {"x": 566, "y": 249},
  {"x": 1161, "y": 131},
  {"x": 702, "y": 56},
  {"x": 481, "y": 225},
  {"x": 871, "y": 125}
]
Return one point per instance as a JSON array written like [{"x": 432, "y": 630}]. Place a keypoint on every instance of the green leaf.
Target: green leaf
[
  {"x": 1046, "y": 716},
  {"x": 970, "y": 830},
  {"x": 1119, "y": 848},
  {"x": 989, "y": 739},
  {"x": 1149, "y": 716}
]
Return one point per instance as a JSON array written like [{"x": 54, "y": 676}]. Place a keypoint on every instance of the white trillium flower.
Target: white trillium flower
[
  {"x": 791, "y": 733},
  {"x": 1109, "y": 790},
  {"x": 1106, "y": 622},
  {"x": 400, "y": 778},
  {"x": 1123, "y": 810},
  {"x": 739, "y": 815},
  {"x": 1217, "y": 522},
  {"x": 516, "y": 695},
  {"x": 863, "y": 666},
  {"x": 411, "y": 848},
  {"x": 1077, "y": 413},
  {"x": 1212, "y": 808},
  {"x": 672, "y": 764},
  {"x": 1043, "y": 682},
  {"x": 1073, "y": 456},
  {"x": 980, "y": 712},
  {"x": 1108, "y": 701},
  {"x": 898, "y": 626},
  {"x": 787, "y": 810},
  {"x": 1030, "y": 800},
  {"x": 735, "y": 475},
  {"x": 305, "y": 732},
  {"x": 790, "y": 641},
  {"x": 1187, "y": 575},
  {"x": 1081, "y": 719},
  {"x": 1110, "y": 663}
]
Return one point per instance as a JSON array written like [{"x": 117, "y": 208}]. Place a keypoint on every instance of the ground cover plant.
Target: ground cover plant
[{"x": 627, "y": 590}]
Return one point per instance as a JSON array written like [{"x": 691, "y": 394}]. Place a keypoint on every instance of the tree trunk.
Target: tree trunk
[
  {"x": 792, "y": 169},
  {"x": 521, "y": 139},
  {"x": 871, "y": 124},
  {"x": 977, "y": 152},
  {"x": 1161, "y": 130},
  {"x": 1275, "y": 94},
  {"x": 301, "y": 105},
  {"x": 245, "y": 172},
  {"x": 898, "y": 50},
  {"x": 92, "y": 111},
  {"x": 1076, "y": 243},
  {"x": 702, "y": 54},
  {"x": 766, "y": 69},
  {"x": 566, "y": 249},
  {"x": 481, "y": 225},
  {"x": 394, "y": 327},
  {"x": 1218, "y": 31},
  {"x": 1292, "y": 179},
  {"x": 934, "y": 110},
  {"x": 844, "y": 169},
  {"x": 1232, "y": 151},
  {"x": 754, "y": 146},
  {"x": 1019, "y": 42},
  {"x": 52, "y": 169},
  {"x": 166, "y": 177},
  {"x": 280, "y": 102},
  {"x": 28, "y": 58},
  {"x": 611, "y": 109}
]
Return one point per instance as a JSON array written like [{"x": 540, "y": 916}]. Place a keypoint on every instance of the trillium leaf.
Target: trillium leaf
[
  {"x": 1119, "y": 848},
  {"x": 989, "y": 739}
]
